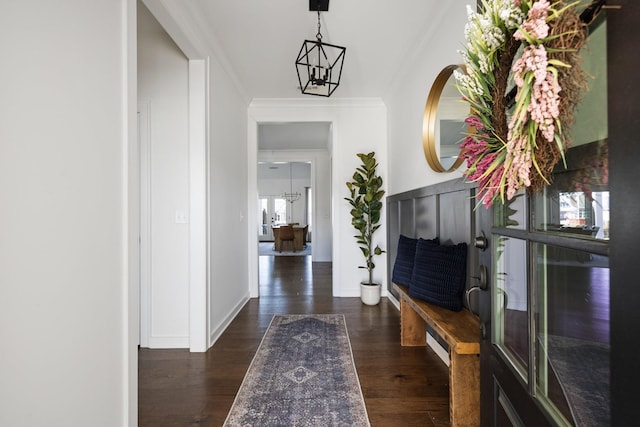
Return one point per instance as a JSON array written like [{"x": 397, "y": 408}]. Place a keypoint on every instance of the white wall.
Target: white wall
[
  {"x": 64, "y": 121},
  {"x": 443, "y": 37},
  {"x": 357, "y": 126},
  {"x": 163, "y": 84},
  {"x": 229, "y": 214}
]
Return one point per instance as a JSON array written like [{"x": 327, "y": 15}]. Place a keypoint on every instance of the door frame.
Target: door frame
[
  {"x": 199, "y": 205},
  {"x": 312, "y": 155},
  {"x": 199, "y": 176},
  {"x": 623, "y": 38},
  {"x": 144, "y": 248},
  {"x": 198, "y": 218}
]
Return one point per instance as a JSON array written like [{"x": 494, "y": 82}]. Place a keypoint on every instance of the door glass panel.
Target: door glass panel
[
  {"x": 279, "y": 211},
  {"x": 572, "y": 340},
  {"x": 577, "y": 201},
  {"x": 263, "y": 217},
  {"x": 272, "y": 211},
  {"x": 577, "y": 210},
  {"x": 513, "y": 213},
  {"x": 510, "y": 303}
]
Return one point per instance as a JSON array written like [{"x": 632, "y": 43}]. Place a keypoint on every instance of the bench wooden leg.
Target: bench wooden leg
[
  {"x": 413, "y": 329},
  {"x": 464, "y": 390}
]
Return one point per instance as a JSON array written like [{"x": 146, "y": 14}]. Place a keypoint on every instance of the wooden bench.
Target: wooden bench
[{"x": 461, "y": 331}]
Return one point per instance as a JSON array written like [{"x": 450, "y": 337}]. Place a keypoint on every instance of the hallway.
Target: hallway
[{"x": 178, "y": 388}]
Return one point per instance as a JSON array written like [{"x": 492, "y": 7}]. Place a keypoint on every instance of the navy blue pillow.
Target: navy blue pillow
[
  {"x": 440, "y": 274},
  {"x": 403, "y": 267}
]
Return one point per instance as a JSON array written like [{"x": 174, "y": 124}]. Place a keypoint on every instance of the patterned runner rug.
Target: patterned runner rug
[{"x": 302, "y": 375}]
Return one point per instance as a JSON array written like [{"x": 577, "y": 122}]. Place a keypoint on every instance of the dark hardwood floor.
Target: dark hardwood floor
[{"x": 401, "y": 386}]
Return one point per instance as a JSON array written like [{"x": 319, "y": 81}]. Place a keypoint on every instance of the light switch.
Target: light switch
[{"x": 181, "y": 217}]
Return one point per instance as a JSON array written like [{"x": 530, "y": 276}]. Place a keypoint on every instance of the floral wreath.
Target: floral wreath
[{"x": 515, "y": 142}]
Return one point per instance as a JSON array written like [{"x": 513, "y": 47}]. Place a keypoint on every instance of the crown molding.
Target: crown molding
[{"x": 260, "y": 103}]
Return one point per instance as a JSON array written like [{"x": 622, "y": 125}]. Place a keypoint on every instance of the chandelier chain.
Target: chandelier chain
[{"x": 318, "y": 35}]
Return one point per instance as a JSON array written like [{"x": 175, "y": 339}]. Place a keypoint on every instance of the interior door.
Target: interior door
[{"x": 545, "y": 315}]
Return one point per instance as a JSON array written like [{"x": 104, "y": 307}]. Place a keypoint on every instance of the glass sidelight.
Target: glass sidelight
[
  {"x": 511, "y": 295},
  {"x": 572, "y": 334},
  {"x": 550, "y": 308},
  {"x": 510, "y": 303}
]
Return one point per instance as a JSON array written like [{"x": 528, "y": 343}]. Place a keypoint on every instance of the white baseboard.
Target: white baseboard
[
  {"x": 393, "y": 300},
  {"x": 217, "y": 332},
  {"x": 438, "y": 349},
  {"x": 168, "y": 342}
]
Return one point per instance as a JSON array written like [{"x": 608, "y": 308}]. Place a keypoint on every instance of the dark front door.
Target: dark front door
[{"x": 546, "y": 314}]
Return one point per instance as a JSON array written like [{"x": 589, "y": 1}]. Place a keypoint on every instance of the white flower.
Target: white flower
[
  {"x": 468, "y": 83},
  {"x": 485, "y": 65},
  {"x": 470, "y": 12},
  {"x": 512, "y": 17},
  {"x": 493, "y": 37}
]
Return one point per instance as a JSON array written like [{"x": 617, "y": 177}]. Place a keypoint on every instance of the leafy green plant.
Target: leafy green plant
[{"x": 366, "y": 203}]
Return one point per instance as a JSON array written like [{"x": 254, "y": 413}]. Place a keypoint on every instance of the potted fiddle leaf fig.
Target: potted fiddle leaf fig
[{"x": 366, "y": 205}]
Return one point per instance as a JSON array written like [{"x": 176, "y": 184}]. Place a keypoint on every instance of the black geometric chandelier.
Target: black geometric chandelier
[{"x": 319, "y": 65}]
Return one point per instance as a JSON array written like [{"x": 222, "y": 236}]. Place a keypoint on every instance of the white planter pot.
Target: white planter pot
[{"x": 370, "y": 294}]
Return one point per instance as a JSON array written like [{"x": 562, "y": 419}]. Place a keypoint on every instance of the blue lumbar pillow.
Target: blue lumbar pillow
[
  {"x": 405, "y": 257},
  {"x": 439, "y": 274}
]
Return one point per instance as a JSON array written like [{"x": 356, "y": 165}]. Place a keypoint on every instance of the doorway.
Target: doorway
[
  {"x": 173, "y": 168},
  {"x": 285, "y": 196},
  {"x": 306, "y": 146}
]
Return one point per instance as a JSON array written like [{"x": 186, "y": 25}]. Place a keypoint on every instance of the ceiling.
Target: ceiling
[{"x": 257, "y": 41}]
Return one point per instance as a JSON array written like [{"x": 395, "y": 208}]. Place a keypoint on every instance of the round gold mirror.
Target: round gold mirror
[{"x": 443, "y": 126}]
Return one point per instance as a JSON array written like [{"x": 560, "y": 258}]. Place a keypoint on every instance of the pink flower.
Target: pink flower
[
  {"x": 473, "y": 145},
  {"x": 544, "y": 100},
  {"x": 536, "y": 24},
  {"x": 488, "y": 188},
  {"x": 533, "y": 59},
  {"x": 539, "y": 10},
  {"x": 519, "y": 160},
  {"x": 480, "y": 160},
  {"x": 475, "y": 122},
  {"x": 545, "y": 105}
]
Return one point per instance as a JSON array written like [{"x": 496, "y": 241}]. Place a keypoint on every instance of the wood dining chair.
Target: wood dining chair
[{"x": 285, "y": 234}]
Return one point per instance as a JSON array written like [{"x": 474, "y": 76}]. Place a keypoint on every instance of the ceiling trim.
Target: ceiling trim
[{"x": 315, "y": 103}]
